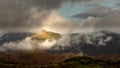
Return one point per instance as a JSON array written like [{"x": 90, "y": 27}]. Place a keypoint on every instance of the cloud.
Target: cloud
[
  {"x": 56, "y": 23},
  {"x": 109, "y": 23},
  {"x": 25, "y": 15},
  {"x": 28, "y": 44},
  {"x": 16, "y": 13},
  {"x": 99, "y": 11},
  {"x": 103, "y": 18},
  {"x": 59, "y": 24},
  {"x": 30, "y": 15},
  {"x": 92, "y": 5},
  {"x": 118, "y": 4}
]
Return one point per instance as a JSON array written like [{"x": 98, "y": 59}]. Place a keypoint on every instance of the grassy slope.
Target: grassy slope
[
  {"x": 30, "y": 58},
  {"x": 38, "y": 59}
]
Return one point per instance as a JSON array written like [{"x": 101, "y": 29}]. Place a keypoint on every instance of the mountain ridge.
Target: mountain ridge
[{"x": 95, "y": 43}]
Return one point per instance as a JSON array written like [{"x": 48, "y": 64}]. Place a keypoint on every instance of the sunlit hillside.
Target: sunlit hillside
[{"x": 43, "y": 35}]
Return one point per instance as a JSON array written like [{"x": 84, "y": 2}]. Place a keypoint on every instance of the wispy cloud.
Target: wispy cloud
[{"x": 99, "y": 11}]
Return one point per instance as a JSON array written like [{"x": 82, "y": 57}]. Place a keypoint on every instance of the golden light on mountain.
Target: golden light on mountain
[{"x": 43, "y": 35}]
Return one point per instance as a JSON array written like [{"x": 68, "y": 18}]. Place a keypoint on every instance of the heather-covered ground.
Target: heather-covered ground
[{"x": 38, "y": 59}]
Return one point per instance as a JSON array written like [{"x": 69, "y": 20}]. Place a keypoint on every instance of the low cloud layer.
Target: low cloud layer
[{"x": 27, "y": 44}]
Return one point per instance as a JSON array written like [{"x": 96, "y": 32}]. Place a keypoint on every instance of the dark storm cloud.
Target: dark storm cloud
[
  {"x": 28, "y": 15},
  {"x": 118, "y": 4},
  {"x": 18, "y": 13},
  {"x": 15, "y": 13},
  {"x": 99, "y": 11},
  {"x": 48, "y": 4}
]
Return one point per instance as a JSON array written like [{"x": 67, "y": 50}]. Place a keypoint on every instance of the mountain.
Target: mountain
[
  {"x": 97, "y": 49},
  {"x": 13, "y": 37},
  {"x": 95, "y": 43},
  {"x": 39, "y": 36},
  {"x": 43, "y": 35}
]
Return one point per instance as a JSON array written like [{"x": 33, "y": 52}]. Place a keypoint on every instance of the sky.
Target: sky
[
  {"x": 67, "y": 10},
  {"x": 62, "y": 16}
]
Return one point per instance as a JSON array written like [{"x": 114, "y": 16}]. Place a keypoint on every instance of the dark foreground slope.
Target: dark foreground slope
[
  {"x": 22, "y": 59},
  {"x": 38, "y": 59}
]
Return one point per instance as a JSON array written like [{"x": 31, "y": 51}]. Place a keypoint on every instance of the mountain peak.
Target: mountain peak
[{"x": 43, "y": 34}]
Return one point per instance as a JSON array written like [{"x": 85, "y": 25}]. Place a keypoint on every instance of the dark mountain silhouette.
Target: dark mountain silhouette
[
  {"x": 13, "y": 37},
  {"x": 96, "y": 43}
]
